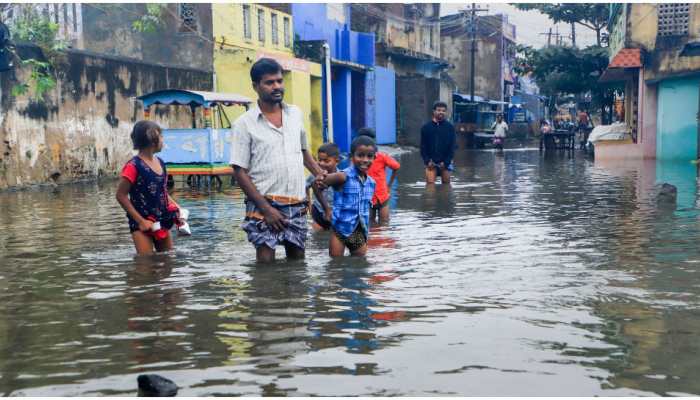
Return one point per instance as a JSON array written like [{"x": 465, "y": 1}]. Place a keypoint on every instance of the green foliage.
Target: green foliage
[
  {"x": 40, "y": 77},
  {"x": 36, "y": 28},
  {"x": 568, "y": 69},
  {"x": 152, "y": 21},
  {"x": 524, "y": 58},
  {"x": 561, "y": 71}
]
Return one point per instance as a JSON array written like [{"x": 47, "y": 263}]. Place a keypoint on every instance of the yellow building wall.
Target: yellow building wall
[
  {"x": 316, "y": 115},
  {"x": 228, "y": 27},
  {"x": 643, "y": 20},
  {"x": 643, "y": 30},
  {"x": 234, "y": 55}
]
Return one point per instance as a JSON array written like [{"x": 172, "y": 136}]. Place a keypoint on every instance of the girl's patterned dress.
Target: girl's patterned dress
[{"x": 149, "y": 195}]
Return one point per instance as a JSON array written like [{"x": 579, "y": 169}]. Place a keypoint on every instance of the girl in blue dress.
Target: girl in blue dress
[{"x": 143, "y": 193}]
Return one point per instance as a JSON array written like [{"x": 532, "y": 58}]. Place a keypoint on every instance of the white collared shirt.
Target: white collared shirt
[{"x": 271, "y": 155}]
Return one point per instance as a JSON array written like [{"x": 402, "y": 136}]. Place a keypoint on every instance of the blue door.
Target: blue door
[
  {"x": 385, "y": 105},
  {"x": 676, "y": 120}
]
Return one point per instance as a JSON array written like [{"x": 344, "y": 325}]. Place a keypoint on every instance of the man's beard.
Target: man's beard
[{"x": 274, "y": 99}]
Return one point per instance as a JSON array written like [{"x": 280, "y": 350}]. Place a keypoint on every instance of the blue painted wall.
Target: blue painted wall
[
  {"x": 341, "y": 89},
  {"x": 312, "y": 22},
  {"x": 676, "y": 126},
  {"x": 385, "y": 105}
]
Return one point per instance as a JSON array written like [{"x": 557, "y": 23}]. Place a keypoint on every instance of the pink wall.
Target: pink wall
[{"x": 647, "y": 94}]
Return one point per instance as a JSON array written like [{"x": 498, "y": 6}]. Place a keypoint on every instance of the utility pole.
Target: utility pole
[
  {"x": 549, "y": 36},
  {"x": 472, "y": 34}
]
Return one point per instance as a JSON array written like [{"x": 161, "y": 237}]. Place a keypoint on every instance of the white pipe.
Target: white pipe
[{"x": 329, "y": 103}]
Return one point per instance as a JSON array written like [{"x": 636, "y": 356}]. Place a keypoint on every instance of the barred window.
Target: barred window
[
  {"x": 275, "y": 38},
  {"x": 287, "y": 37},
  {"x": 188, "y": 17},
  {"x": 673, "y": 18},
  {"x": 261, "y": 25},
  {"x": 247, "y": 32}
]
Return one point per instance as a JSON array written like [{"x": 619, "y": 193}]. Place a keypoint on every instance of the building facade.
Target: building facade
[
  {"x": 654, "y": 50},
  {"x": 362, "y": 93},
  {"x": 80, "y": 128},
  {"x": 495, "y": 54},
  {"x": 407, "y": 39},
  {"x": 244, "y": 33}
]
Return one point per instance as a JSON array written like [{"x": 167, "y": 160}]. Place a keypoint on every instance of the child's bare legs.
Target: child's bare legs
[
  {"x": 164, "y": 244},
  {"x": 336, "y": 248},
  {"x": 373, "y": 215},
  {"x": 144, "y": 244},
  {"x": 360, "y": 252},
  {"x": 384, "y": 214}
]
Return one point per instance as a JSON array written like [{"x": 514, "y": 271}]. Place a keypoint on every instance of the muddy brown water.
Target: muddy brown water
[{"x": 531, "y": 275}]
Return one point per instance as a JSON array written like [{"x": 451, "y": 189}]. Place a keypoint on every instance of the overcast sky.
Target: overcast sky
[{"x": 528, "y": 24}]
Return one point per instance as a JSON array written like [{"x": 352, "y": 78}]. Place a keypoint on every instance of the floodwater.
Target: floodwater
[{"x": 531, "y": 275}]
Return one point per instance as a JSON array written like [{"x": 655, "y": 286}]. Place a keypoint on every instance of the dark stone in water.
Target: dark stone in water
[
  {"x": 152, "y": 385},
  {"x": 666, "y": 194}
]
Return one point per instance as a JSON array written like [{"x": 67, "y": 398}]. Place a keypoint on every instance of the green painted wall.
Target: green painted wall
[{"x": 677, "y": 126}]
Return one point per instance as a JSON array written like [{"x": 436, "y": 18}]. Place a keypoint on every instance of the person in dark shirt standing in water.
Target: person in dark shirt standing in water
[{"x": 437, "y": 145}]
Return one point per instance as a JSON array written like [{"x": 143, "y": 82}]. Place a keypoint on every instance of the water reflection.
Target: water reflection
[{"x": 546, "y": 271}]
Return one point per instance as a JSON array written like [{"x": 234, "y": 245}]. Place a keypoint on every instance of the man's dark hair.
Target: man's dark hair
[
  {"x": 330, "y": 149},
  {"x": 264, "y": 66},
  {"x": 145, "y": 134},
  {"x": 439, "y": 104},
  {"x": 362, "y": 141},
  {"x": 369, "y": 132}
]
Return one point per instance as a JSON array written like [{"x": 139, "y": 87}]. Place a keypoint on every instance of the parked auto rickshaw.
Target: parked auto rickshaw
[{"x": 198, "y": 151}]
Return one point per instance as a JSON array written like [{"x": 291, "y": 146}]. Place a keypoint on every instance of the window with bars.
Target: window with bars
[
  {"x": 261, "y": 25},
  {"x": 247, "y": 32},
  {"x": 188, "y": 17},
  {"x": 287, "y": 37},
  {"x": 273, "y": 24},
  {"x": 673, "y": 19}
]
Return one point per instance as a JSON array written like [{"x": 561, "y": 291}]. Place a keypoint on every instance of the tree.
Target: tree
[
  {"x": 593, "y": 16},
  {"x": 565, "y": 70}
]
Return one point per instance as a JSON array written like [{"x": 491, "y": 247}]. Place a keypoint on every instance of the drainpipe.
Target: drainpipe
[{"x": 329, "y": 103}]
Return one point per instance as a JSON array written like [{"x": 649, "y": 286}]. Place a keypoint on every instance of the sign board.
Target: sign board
[{"x": 287, "y": 63}]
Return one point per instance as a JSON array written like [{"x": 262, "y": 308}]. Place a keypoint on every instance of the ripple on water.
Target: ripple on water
[{"x": 542, "y": 271}]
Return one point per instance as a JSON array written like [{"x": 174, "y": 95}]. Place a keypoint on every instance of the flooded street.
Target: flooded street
[{"x": 530, "y": 276}]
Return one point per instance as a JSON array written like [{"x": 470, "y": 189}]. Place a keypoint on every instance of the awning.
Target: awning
[
  {"x": 625, "y": 61},
  {"x": 194, "y": 98}
]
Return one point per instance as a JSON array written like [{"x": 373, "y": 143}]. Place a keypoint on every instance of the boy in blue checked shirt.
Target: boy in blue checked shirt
[{"x": 352, "y": 200}]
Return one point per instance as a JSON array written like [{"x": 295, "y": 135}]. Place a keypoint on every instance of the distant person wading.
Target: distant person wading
[{"x": 437, "y": 145}]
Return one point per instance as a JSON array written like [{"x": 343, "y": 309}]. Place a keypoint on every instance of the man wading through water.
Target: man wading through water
[
  {"x": 437, "y": 145},
  {"x": 268, "y": 154}
]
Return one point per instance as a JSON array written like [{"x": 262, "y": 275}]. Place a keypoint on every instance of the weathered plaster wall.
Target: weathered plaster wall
[
  {"x": 82, "y": 128},
  {"x": 415, "y": 97},
  {"x": 455, "y": 49},
  {"x": 663, "y": 57},
  {"x": 107, "y": 29}
]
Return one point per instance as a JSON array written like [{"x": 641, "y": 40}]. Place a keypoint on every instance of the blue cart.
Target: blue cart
[{"x": 198, "y": 151}]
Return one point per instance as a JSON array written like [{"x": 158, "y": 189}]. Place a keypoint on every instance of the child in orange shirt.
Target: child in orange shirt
[{"x": 382, "y": 193}]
